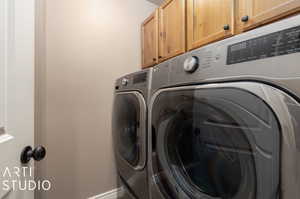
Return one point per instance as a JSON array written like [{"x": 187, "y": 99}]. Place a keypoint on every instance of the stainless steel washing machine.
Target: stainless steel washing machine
[
  {"x": 129, "y": 128},
  {"x": 224, "y": 120}
]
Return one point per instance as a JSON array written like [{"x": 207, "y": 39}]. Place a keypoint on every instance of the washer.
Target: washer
[
  {"x": 129, "y": 130},
  {"x": 224, "y": 119}
]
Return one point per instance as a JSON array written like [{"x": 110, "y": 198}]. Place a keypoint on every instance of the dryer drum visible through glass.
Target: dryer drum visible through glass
[
  {"x": 128, "y": 128},
  {"x": 222, "y": 140}
]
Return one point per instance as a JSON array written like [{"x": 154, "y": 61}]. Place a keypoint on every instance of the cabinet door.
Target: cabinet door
[
  {"x": 150, "y": 40},
  {"x": 253, "y": 13},
  {"x": 208, "y": 21},
  {"x": 172, "y": 39}
]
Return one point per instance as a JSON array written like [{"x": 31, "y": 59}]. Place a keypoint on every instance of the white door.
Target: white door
[{"x": 17, "y": 27}]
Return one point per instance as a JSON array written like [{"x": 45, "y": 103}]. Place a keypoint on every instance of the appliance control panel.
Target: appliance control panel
[
  {"x": 140, "y": 78},
  {"x": 275, "y": 44}
]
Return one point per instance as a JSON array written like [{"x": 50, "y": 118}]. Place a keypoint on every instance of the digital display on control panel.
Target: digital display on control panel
[
  {"x": 140, "y": 78},
  {"x": 271, "y": 45}
]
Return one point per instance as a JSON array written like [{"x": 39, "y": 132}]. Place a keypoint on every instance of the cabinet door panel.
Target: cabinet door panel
[
  {"x": 261, "y": 12},
  {"x": 260, "y": 6},
  {"x": 172, "y": 29},
  {"x": 150, "y": 40},
  {"x": 209, "y": 21}
]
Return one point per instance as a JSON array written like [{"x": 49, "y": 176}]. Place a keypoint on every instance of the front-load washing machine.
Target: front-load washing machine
[
  {"x": 224, "y": 120},
  {"x": 129, "y": 128}
]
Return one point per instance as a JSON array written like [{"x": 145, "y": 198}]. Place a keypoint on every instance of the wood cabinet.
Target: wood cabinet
[
  {"x": 150, "y": 40},
  {"x": 172, "y": 29},
  {"x": 180, "y": 25},
  {"x": 253, "y": 13},
  {"x": 208, "y": 21}
]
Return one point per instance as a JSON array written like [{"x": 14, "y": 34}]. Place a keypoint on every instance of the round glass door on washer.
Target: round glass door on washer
[{"x": 224, "y": 141}]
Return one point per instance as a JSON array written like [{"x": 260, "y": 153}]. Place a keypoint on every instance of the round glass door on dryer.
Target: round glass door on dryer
[
  {"x": 129, "y": 136},
  {"x": 223, "y": 141}
]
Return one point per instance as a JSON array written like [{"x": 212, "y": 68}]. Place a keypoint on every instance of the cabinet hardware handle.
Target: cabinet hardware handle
[
  {"x": 154, "y": 59},
  {"x": 159, "y": 57},
  {"x": 245, "y": 18},
  {"x": 226, "y": 27}
]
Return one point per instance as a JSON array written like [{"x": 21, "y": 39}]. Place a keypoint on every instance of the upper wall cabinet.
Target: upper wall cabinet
[
  {"x": 150, "y": 40},
  {"x": 172, "y": 29},
  {"x": 208, "y": 21},
  {"x": 253, "y": 13}
]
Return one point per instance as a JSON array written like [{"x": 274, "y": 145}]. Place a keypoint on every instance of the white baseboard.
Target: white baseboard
[{"x": 112, "y": 194}]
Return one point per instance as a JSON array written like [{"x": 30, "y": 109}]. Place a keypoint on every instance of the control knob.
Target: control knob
[
  {"x": 124, "y": 81},
  {"x": 191, "y": 64}
]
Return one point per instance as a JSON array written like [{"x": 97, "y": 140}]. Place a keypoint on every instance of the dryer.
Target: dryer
[
  {"x": 224, "y": 119},
  {"x": 129, "y": 129}
]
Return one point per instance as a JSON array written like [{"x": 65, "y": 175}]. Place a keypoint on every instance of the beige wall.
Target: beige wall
[{"x": 82, "y": 47}]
